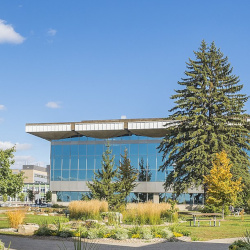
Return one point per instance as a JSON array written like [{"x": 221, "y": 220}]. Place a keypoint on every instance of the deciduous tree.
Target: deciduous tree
[
  {"x": 10, "y": 184},
  {"x": 222, "y": 190}
]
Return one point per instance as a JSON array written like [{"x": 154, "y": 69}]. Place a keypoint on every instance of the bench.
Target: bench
[
  {"x": 210, "y": 222},
  {"x": 199, "y": 220}
]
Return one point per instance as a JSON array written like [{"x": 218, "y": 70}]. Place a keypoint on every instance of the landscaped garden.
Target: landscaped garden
[{"x": 91, "y": 219}]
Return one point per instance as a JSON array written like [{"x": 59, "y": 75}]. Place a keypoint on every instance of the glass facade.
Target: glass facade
[{"x": 76, "y": 159}]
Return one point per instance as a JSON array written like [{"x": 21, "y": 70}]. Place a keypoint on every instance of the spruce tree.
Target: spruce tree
[
  {"x": 127, "y": 176},
  {"x": 104, "y": 185},
  {"x": 144, "y": 175},
  {"x": 208, "y": 118}
]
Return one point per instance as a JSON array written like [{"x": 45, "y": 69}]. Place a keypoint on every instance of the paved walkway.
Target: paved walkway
[{"x": 28, "y": 243}]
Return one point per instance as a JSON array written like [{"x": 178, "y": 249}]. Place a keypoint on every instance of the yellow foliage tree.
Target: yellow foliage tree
[{"x": 222, "y": 189}]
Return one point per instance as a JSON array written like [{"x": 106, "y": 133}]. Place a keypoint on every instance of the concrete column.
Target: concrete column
[
  {"x": 54, "y": 198},
  {"x": 156, "y": 198}
]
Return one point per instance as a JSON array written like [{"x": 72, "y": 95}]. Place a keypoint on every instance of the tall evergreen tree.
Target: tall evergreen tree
[
  {"x": 208, "y": 118},
  {"x": 127, "y": 176},
  {"x": 144, "y": 175},
  {"x": 104, "y": 186}
]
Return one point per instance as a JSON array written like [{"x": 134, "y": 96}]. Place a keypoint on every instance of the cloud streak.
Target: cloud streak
[
  {"x": 8, "y": 34},
  {"x": 19, "y": 146},
  {"x": 2, "y": 107},
  {"x": 53, "y": 105},
  {"x": 52, "y": 32}
]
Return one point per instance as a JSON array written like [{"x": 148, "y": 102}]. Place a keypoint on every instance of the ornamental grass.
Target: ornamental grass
[
  {"x": 146, "y": 213},
  {"x": 15, "y": 218},
  {"x": 87, "y": 209}
]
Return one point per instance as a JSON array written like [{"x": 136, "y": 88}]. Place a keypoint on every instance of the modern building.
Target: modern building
[{"x": 77, "y": 148}]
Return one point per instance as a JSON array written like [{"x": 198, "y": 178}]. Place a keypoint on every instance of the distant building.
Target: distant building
[
  {"x": 34, "y": 174},
  {"x": 37, "y": 179}
]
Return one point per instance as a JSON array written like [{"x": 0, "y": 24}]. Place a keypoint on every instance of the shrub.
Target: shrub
[
  {"x": 87, "y": 209},
  {"x": 15, "y": 217},
  {"x": 166, "y": 233},
  {"x": 146, "y": 213},
  {"x": 92, "y": 233},
  {"x": 146, "y": 233},
  {"x": 66, "y": 233},
  {"x": 121, "y": 233},
  {"x": 45, "y": 231}
]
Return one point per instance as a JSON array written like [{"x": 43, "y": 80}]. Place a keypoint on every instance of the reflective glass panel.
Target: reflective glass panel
[
  {"x": 58, "y": 149},
  {"x": 65, "y": 175},
  {"x": 134, "y": 149},
  {"x": 65, "y": 162},
  {"x": 82, "y": 149},
  {"x": 74, "y": 149},
  {"x": 143, "y": 149},
  {"x": 74, "y": 162},
  {"x": 91, "y": 149},
  {"x": 57, "y": 162},
  {"x": 90, "y": 175},
  {"x": 73, "y": 175},
  {"x": 66, "y": 149},
  {"x": 160, "y": 176},
  {"x": 82, "y": 175},
  {"x": 57, "y": 175},
  {"x": 90, "y": 162},
  {"x": 82, "y": 162},
  {"x": 99, "y": 149}
]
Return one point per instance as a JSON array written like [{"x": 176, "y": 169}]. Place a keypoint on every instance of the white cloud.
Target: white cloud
[
  {"x": 2, "y": 107},
  {"x": 52, "y": 32},
  {"x": 19, "y": 146},
  {"x": 8, "y": 34},
  {"x": 53, "y": 105}
]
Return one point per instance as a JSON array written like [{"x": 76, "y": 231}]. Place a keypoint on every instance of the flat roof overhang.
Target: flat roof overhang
[{"x": 102, "y": 129}]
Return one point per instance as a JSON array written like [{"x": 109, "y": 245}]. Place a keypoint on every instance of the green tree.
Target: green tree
[
  {"x": 104, "y": 185},
  {"x": 21, "y": 196},
  {"x": 10, "y": 184},
  {"x": 31, "y": 194},
  {"x": 144, "y": 175},
  {"x": 127, "y": 176},
  {"x": 48, "y": 196},
  {"x": 222, "y": 189},
  {"x": 208, "y": 117}
]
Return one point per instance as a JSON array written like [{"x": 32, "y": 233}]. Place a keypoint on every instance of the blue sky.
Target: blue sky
[{"x": 65, "y": 61}]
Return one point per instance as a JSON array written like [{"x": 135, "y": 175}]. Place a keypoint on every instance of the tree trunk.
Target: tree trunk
[{"x": 223, "y": 212}]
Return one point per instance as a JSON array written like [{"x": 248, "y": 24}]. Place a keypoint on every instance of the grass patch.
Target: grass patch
[{"x": 232, "y": 227}]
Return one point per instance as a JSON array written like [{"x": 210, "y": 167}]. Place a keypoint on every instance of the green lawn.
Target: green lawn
[
  {"x": 230, "y": 228},
  {"x": 38, "y": 219}
]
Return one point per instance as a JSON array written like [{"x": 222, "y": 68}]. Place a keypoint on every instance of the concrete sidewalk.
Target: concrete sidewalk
[{"x": 28, "y": 243}]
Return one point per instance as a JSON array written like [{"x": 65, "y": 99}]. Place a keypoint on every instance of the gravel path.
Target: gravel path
[{"x": 32, "y": 243}]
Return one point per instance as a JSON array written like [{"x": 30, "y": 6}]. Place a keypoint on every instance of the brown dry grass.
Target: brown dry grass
[
  {"x": 16, "y": 217},
  {"x": 146, "y": 213},
  {"x": 87, "y": 209}
]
